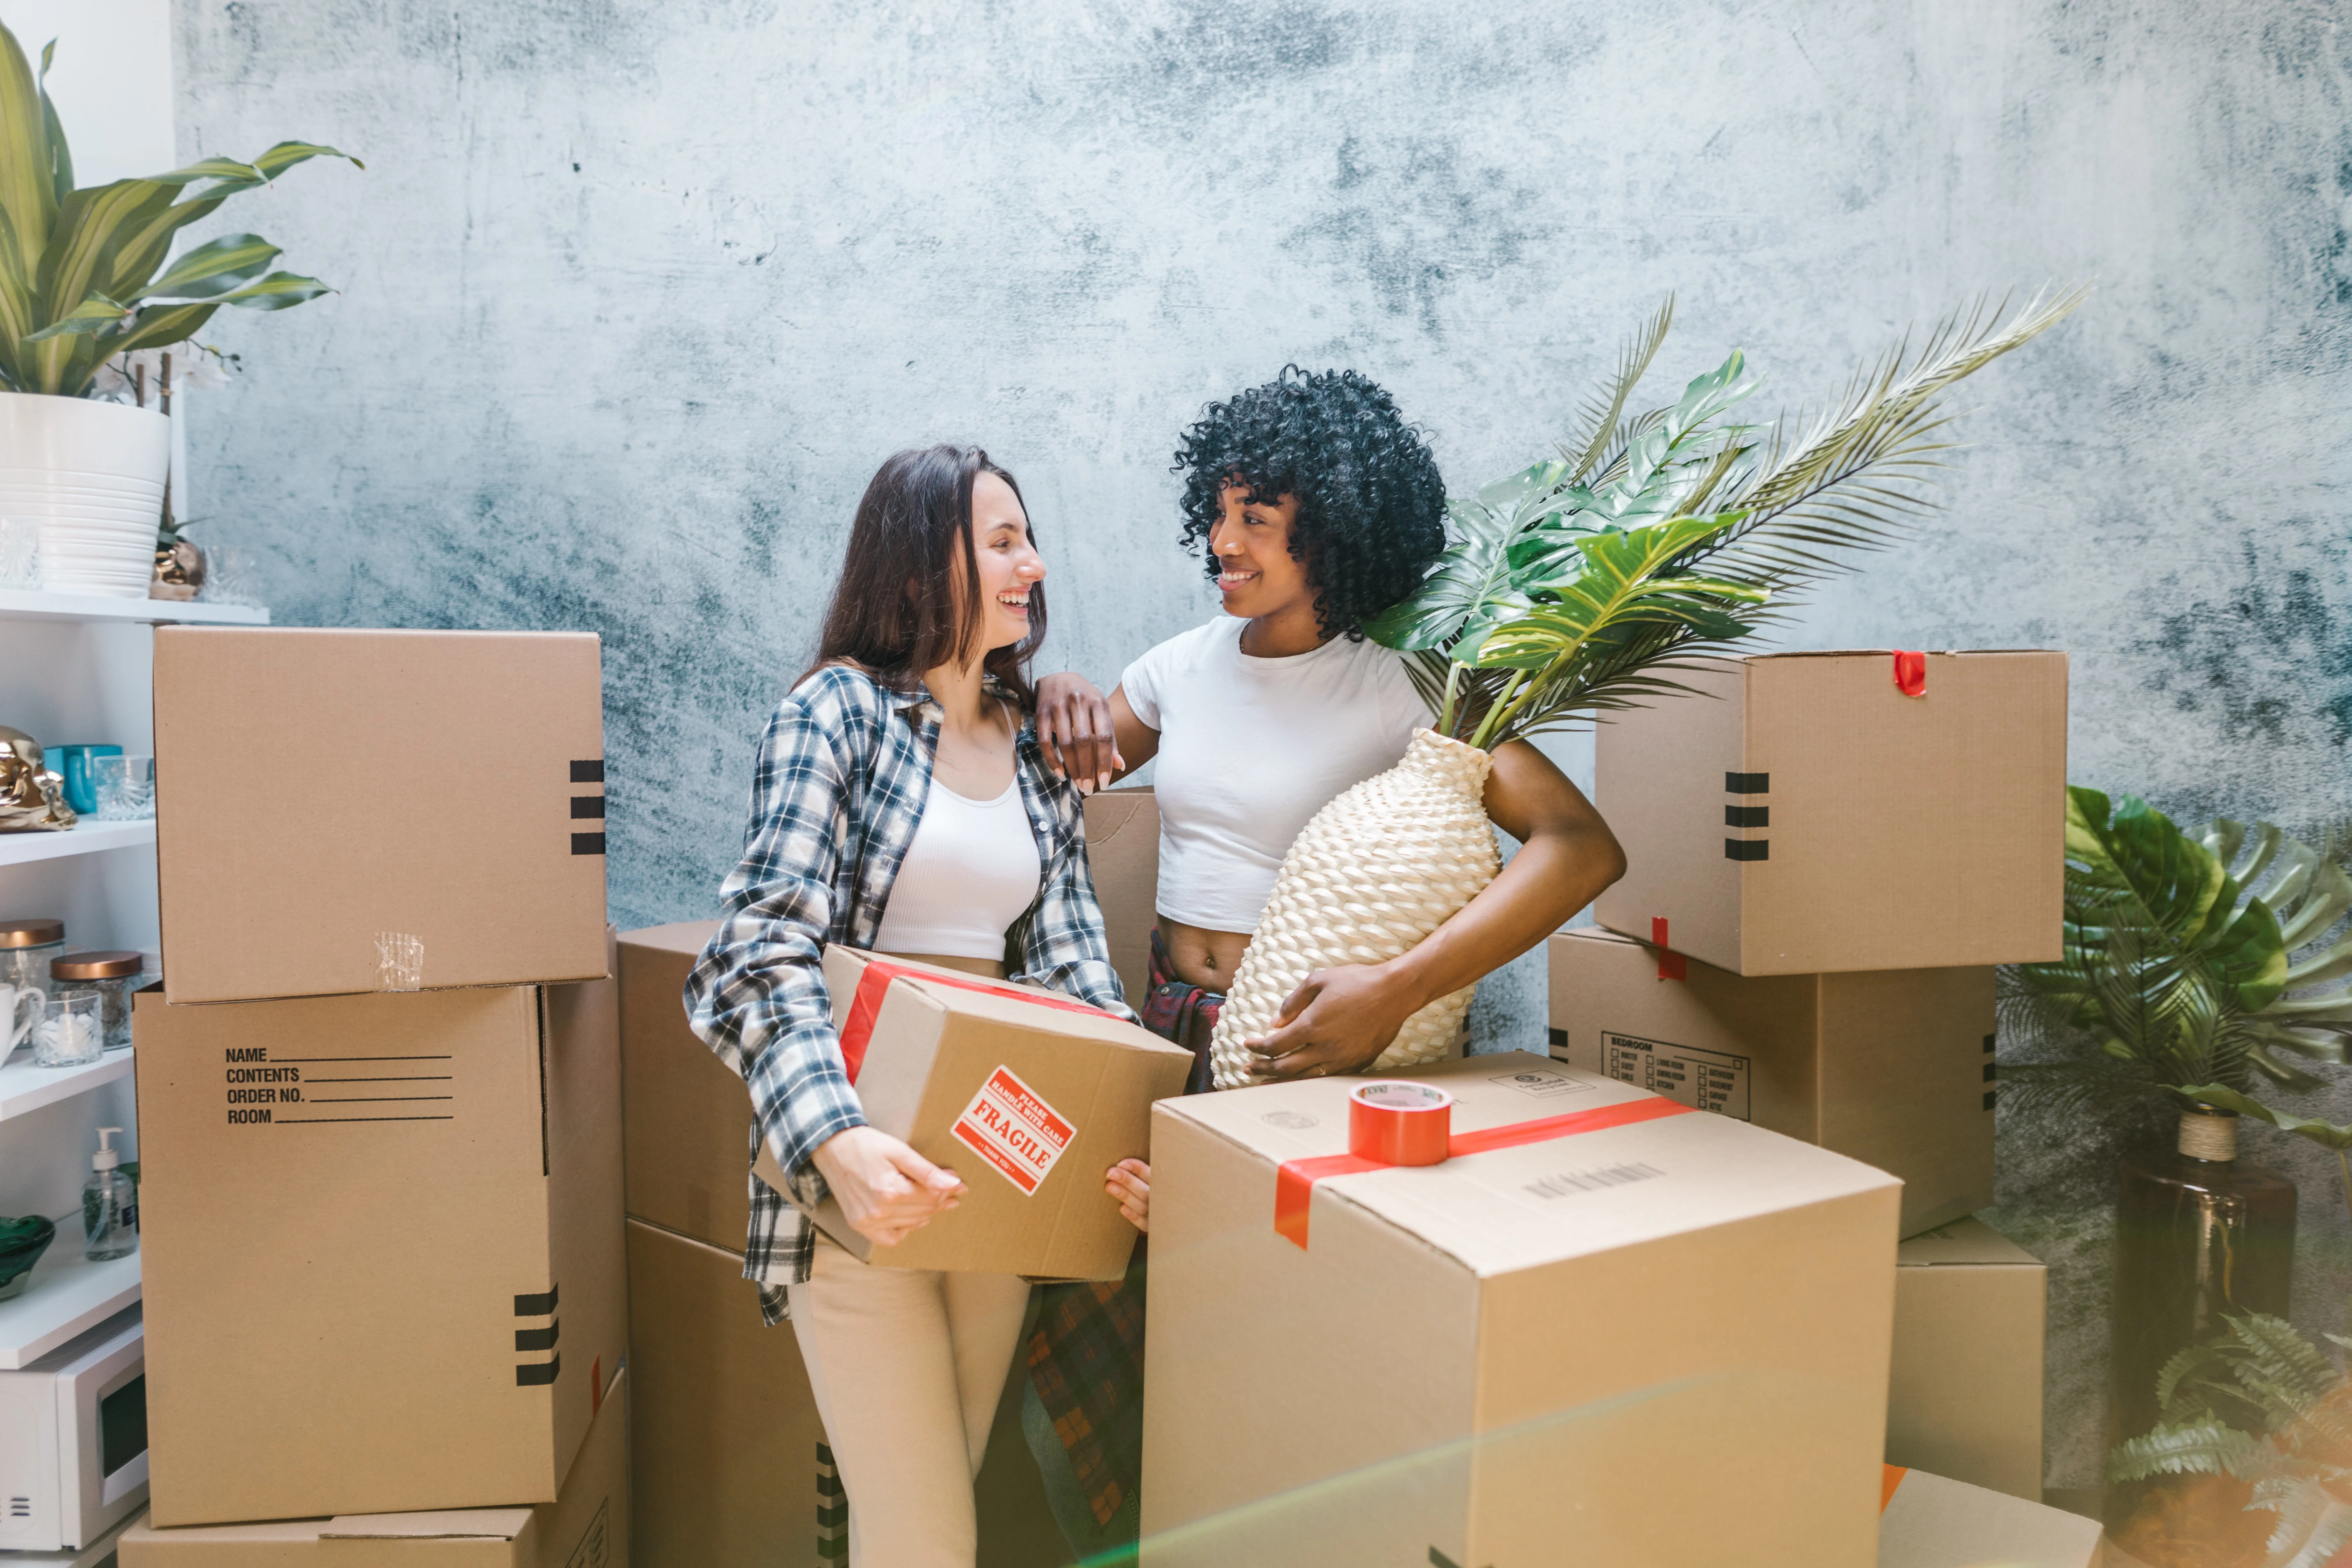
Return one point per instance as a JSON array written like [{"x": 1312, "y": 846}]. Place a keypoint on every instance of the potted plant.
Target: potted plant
[
  {"x": 1578, "y": 585},
  {"x": 2201, "y": 971},
  {"x": 2255, "y": 1446},
  {"x": 85, "y": 275}
]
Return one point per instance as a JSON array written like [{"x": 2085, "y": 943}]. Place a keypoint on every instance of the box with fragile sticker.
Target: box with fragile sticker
[
  {"x": 1804, "y": 812},
  {"x": 383, "y": 1261},
  {"x": 586, "y": 1525},
  {"x": 1893, "y": 1066},
  {"x": 346, "y": 810},
  {"x": 1026, "y": 1094},
  {"x": 1601, "y": 1325}
]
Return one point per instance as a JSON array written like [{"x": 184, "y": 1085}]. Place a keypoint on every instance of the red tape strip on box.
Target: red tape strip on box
[
  {"x": 1671, "y": 964},
  {"x": 1910, "y": 673},
  {"x": 1294, "y": 1182},
  {"x": 866, "y": 1004}
]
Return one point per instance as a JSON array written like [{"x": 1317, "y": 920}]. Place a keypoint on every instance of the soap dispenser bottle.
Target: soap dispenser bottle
[{"x": 110, "y": 1204}]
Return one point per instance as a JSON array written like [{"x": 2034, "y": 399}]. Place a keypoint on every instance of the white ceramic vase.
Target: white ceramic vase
[
  {"x": 1369, "y": 875},
  {"x": 91, "y": 475}
]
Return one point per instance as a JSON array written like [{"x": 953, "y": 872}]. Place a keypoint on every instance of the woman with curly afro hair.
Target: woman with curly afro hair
[{"x": 1316, "y": 507}]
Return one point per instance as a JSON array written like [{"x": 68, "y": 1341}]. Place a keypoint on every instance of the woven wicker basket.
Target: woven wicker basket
[{"x": 1374, "y": 872}]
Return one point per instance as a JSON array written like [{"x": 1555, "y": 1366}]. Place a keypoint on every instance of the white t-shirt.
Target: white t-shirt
[
  {"x": 971, "y": 869},
  {"x": 1250, "y": 749}
]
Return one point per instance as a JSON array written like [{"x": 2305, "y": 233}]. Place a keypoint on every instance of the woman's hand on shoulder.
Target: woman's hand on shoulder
[
  {"x": 887, "y": 1191},
  {"x": 1075, "y": 727},
  {"x": 1129, "y": 1182}
]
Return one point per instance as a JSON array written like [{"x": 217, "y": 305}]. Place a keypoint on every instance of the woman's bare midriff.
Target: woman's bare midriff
[{"x": 1202, "y": 957}]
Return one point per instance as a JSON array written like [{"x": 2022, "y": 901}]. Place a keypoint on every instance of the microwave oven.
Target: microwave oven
[{"x": 73, "y": 1439}]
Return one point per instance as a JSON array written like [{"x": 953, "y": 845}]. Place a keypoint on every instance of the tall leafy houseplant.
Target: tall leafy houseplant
[
  {"x": 83, "y": 272},
  {"x": 1580, "y": 584}
]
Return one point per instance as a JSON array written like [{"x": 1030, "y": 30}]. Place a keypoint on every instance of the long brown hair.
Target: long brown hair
[{"x": 895, "y": 611}]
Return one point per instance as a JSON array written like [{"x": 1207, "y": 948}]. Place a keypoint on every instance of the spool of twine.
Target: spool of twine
[{"x": 2209, "y": 1134}]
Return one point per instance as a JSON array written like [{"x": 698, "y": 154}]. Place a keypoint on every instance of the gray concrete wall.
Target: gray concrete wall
[{"x": 635, "y": 294}]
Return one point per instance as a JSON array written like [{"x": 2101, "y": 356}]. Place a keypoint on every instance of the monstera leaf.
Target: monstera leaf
[{"x": 2165, "y": 959}]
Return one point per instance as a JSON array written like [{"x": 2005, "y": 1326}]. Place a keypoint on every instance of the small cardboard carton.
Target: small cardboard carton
[
  {"x": 1889, "y": 1067},
  {"x": 687, "y": 1116},
  {"x": 1601, "y": 1321},
  {"x": 348, "y": 811},
  {"x": 382, "y": 1255},
  {"x": 1966, "y": 1399},
  {"x": 1931, "y": 1522},
  {"x": 1028, "y": 1095},
  {"x": 1123, "y": 853},
  {"x": 587, "y": 1526},
  {"x": 1804, "y": 813},
  {"x": 727, "y": 1447}
]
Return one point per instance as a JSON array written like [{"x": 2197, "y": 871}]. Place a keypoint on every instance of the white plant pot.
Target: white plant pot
[{"x": 91, "y": 475}]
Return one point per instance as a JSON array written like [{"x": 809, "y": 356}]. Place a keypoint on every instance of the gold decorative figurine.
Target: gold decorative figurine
[{"x": 32, "y": 798}]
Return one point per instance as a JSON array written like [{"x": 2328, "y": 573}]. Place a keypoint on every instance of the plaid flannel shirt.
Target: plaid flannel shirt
[{"x": 844, "y": 770}]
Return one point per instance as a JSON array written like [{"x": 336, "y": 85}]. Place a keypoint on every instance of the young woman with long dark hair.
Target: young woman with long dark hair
[{"x": 902, "y": 805}]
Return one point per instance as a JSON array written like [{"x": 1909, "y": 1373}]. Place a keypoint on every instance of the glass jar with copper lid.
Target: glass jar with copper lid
[
  {"x": 113, "y": 975},
  {"x": 27, "y": 946}
]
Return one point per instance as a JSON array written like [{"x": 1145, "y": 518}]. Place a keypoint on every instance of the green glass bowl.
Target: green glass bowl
[{"x": 22, "y": 1242}]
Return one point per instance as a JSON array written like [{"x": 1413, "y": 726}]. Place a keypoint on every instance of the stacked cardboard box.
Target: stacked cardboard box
[
  {"x": 1827, "y": 854},
  {"x": 380, "y": 1099},
  {"x": 730, "y": 1451}
]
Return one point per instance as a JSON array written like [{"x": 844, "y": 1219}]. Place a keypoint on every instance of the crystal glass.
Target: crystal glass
[
  {"x": 25, "y": 948},
  {"x": 124, "y": 787},
  {"x": 72, "y": 1031},
  {"x": 20, "y": 553},
  {"x": 229, "y": 577}
]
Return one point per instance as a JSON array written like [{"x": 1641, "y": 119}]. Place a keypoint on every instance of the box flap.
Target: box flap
[
  {"x": 1888, "y": 652},
  {"x": 1931, "y": 1522},
  {"x": 688, "y": 937},
  {"x": 1539, "y": 1202},
  {"x": 440, "y": 1524},
  {"x": 1964, "y": 1243},
  {"x": 1598, "y": 934}
]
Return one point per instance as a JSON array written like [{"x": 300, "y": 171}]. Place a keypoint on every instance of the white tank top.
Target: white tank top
[{"x": 971, "y": 871}]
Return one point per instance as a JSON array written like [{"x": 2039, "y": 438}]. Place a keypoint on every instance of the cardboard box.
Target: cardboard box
[
  {"x": 347, "y": 811},
  {"x": 1621, "y": 1325},
  {"x": 384, "y": 1263},
  {"x": 1890, "y": 1067},
  {"x": 1965, "y": 1397},
  {"x": 1028, "y": 1095},
  {"x": 687, "y": 1116},
  {"x": 726, "y": 1433},
  {"x": 587, "y": 1526},
  {"x": 1931, "y": 1522},
  {"x": 1801, "y": 814},
  {"x": 1123, "y": 853}
]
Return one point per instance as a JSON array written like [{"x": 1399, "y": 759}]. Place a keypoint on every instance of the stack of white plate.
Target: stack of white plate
[{"x": 92, "y": 475}]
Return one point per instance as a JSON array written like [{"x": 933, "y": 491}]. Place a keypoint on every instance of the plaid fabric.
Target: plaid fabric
[
  {"x": 1085, "y": 1355},
  {"x": 842, "y": 773}
]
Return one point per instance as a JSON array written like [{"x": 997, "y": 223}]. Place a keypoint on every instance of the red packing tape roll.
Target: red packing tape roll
[{"x": 1400, "y": 1123}]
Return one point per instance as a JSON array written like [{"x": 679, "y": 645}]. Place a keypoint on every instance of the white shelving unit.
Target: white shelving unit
[
  {"x": 84, "y": 838},
  {"x": 69, "y": 1295},
  {"x": 30, "y": 604},
  {"x": 77, "y": 668}
]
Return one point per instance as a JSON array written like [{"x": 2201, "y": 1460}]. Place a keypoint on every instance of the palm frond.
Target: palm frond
[{"x": 1604, "y": 408}]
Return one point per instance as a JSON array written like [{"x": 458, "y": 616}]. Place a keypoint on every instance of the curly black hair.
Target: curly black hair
[{"x": 1371, "y": 505}]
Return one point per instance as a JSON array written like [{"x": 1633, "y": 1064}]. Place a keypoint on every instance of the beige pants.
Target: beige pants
[{"x": 906, "y": 1365}]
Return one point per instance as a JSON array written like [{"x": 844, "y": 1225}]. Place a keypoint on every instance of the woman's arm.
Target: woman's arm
[
  {"x": 757, "y": 995},
  {"x": 1341, "y": 1018},
  {"x": 1091, "y": 739}
]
